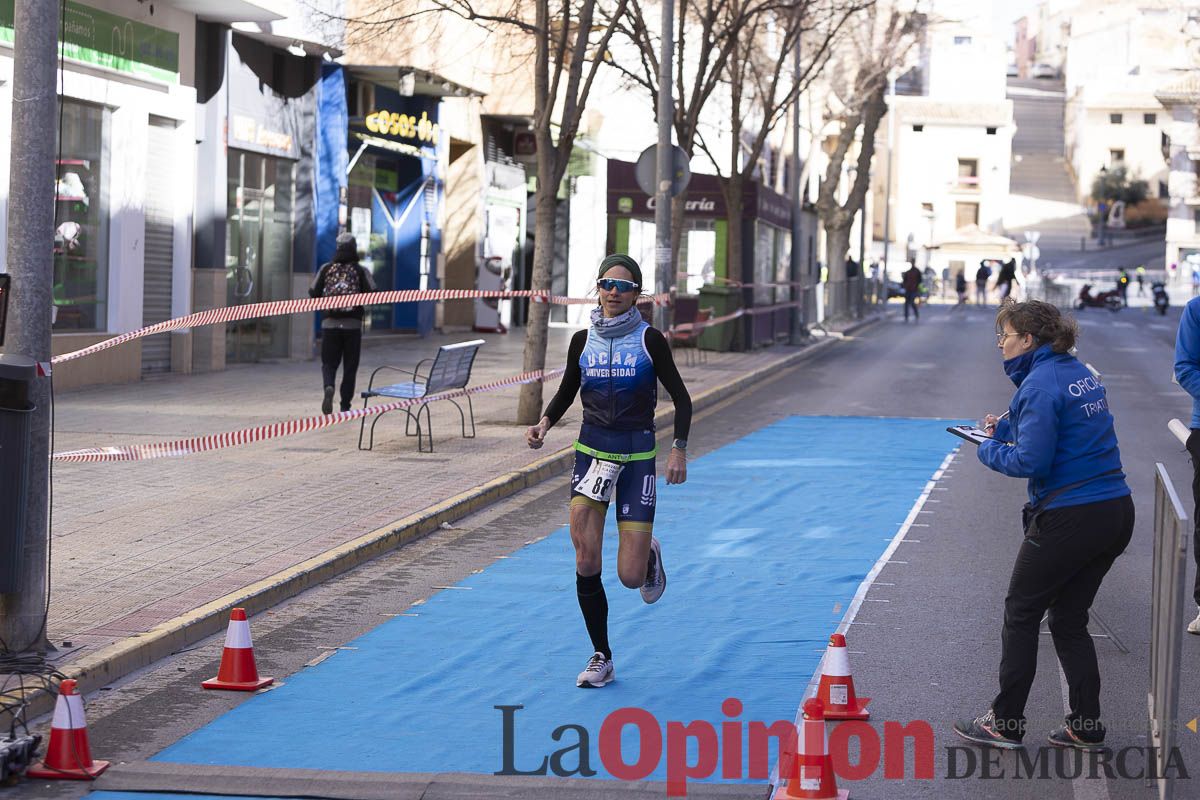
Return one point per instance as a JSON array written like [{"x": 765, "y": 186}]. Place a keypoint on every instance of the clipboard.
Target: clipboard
[{"x": 971, "y": 433}]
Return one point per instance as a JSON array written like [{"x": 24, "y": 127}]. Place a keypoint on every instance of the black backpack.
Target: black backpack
[{"x": 342, "y": 279}]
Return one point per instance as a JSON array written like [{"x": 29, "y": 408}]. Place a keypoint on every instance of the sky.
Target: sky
[{"x": 1004, "y": 12}]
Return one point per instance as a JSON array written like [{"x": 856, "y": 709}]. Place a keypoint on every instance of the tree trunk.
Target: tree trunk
[
  {"x": 837, "y": 244},
  {"x": 529, "y": 409},
  {"x": 735, "y": 269},
  {"x": 677, "y": 206}
]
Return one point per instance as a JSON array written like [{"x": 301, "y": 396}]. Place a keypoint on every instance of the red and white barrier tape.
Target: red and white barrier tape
[
  {"x": 218, "y": 441},
  {"x": 216, "y": 316},
  {"x": 687, "y": 327}
]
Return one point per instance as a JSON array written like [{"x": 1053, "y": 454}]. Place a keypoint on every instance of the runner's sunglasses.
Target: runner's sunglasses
[{"x": 620, "y": 284}]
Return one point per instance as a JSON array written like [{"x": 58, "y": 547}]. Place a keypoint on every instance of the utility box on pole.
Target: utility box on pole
[{"x": 17, "y": 374}]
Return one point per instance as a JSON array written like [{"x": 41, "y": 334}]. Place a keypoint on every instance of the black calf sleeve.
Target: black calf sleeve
[{"x": 594, "y": 605}]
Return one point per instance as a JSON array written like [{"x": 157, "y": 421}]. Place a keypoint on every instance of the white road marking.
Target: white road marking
[{"x": 865, "y": 586}]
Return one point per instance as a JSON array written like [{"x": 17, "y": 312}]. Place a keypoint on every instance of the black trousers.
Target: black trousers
[
  {"x": 1193, "y": 448},
  {"x": 1059, "y": 570},
  {"x": 344, "y": 347},
  {"x": 910, "y": 301}
]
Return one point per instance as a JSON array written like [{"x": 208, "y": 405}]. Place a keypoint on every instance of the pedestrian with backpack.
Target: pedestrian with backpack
[{"x": 341, "y": 328}]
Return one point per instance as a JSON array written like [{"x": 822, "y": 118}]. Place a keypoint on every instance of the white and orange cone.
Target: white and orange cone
[
  {"x": 836, "y": 690},
  {"x": 812, "y": 775},
  {"x": 238, "y": 672},
  {"x": 68, "y": 756}
]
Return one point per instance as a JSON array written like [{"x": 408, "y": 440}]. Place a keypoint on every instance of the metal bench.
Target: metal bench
[{"x": 450, "y": 369}]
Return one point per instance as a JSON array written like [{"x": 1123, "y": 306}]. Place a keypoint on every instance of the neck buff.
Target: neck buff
[{"x": 612, "y": 327}]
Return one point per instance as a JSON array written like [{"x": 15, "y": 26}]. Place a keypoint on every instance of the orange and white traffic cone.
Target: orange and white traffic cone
[
  {"x": 238, "y": 672},
  {"x": 68, "y": 756},
  {"x": 812, "y": 775},
  {"x": 836, "y": 690}
]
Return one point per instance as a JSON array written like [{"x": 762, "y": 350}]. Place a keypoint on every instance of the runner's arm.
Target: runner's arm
[
  {"x": 668, "y": 375},
  {"x": 569, "y": 386}
]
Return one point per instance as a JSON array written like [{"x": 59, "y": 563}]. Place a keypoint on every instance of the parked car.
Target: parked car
[
  {"x": 1012, "y": 71},
  {"x": 1043, "y": 71}
]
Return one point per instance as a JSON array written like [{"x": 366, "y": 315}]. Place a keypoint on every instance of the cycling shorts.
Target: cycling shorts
[{"x": 634, "y": 492}]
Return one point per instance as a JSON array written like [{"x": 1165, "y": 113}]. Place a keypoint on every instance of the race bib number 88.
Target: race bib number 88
[{"x": 599, "y": 481}]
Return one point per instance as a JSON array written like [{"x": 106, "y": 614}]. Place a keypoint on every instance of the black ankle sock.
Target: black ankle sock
[{"x": 594, "y": 605}]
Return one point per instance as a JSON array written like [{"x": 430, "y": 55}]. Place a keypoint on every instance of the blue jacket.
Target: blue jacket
[
  {"x": 1058, "y": 431},
  {"x": 1187, "y": 356}
]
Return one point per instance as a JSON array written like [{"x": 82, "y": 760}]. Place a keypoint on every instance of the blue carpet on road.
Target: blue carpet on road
[{"x": 764, "y": 546}]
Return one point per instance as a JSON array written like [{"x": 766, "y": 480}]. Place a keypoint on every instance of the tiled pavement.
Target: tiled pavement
[{"x": 139, "y": 543}]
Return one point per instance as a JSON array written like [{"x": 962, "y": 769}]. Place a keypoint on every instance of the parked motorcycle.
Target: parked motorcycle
[
  {"x": 1110, "y": 300},
  {"x": 1161, "y": 301}
]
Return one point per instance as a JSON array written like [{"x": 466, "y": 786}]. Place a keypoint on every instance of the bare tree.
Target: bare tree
[
  {"x": 569, "y": 43},
  {"x": 876, "y": 47},
  {"x": 745, "y": 46},
  {"x": 762, "y": 88}
]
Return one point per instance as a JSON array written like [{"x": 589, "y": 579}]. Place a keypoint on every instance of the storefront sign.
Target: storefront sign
[
  {"x": 406, "y": 125},
  {"x": 262, "y": 117},
  {"x": 704, "y": 199},
  {"x": 772, "y": 207},
  {"x": 107, "y": 40}
]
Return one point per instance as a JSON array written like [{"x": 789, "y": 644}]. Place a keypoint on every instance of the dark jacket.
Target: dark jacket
[{"x": 911, "y": 280}]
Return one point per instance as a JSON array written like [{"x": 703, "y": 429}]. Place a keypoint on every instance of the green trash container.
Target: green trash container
[{"x": 726, "y": 336}]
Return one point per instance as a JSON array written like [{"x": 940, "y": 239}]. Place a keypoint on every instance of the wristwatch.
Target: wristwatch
[{"x": 679, "y": 444}]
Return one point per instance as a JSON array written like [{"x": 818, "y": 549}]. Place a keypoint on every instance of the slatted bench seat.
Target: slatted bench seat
[{"x": 450, "y": 369}]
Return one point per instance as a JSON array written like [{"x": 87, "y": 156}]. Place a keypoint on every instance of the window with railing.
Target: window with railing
[{"x": 968, "y": 173}]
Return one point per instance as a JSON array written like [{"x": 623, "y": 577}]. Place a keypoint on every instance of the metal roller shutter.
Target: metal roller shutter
[{"x": 160, "y": 245}]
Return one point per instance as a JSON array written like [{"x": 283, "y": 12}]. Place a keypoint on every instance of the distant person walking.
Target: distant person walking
[
  {"x": 910, "y": 281},
  {"x": 1005, "y": 278},
  {"x": 1141, "y": 280},
  {"x": 341, "y": 328},
  {"x": 1123, "y": 285},
  {"x": 1187, "y": 372},
  {"x": 1060, "y": 435},
  {"x": 982, "y": 276},
  {"x": 960, "y": 286}
]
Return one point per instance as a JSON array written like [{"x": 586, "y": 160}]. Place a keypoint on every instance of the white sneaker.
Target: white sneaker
[
  {"x": 656, "y": 576},
  {"x": 1194, "y": 625},
  {"x": 599, "y": 673}
]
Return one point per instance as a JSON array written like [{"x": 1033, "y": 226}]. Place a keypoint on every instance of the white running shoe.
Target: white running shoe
[
  {"x": 1194, "y": 625},
  {"x": 599, "y": 673},
  {"x": 656, "y": 576}
]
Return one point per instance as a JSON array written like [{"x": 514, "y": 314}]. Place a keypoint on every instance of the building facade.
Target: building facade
[
  {"x": 953, "y": 146},
  {"x": 1118, "y": 55}
]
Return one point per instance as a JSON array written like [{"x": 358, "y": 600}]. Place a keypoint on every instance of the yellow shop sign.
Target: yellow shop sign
[{"x": 405, "y": 126}]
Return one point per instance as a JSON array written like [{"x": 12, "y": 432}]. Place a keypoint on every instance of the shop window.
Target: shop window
[
  {"x": 81, "y": 217},
  {"x": 698, "y": 253}
]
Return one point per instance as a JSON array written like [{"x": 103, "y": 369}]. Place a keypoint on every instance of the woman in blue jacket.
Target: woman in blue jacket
[{"x": 1059, "y": 434}]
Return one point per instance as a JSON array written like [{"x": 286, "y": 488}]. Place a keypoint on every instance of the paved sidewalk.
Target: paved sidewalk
[{"x": 138, "y": 545}]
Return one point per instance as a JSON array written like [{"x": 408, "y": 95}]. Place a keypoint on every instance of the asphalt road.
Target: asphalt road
[{"x": 925, "y": 644}]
